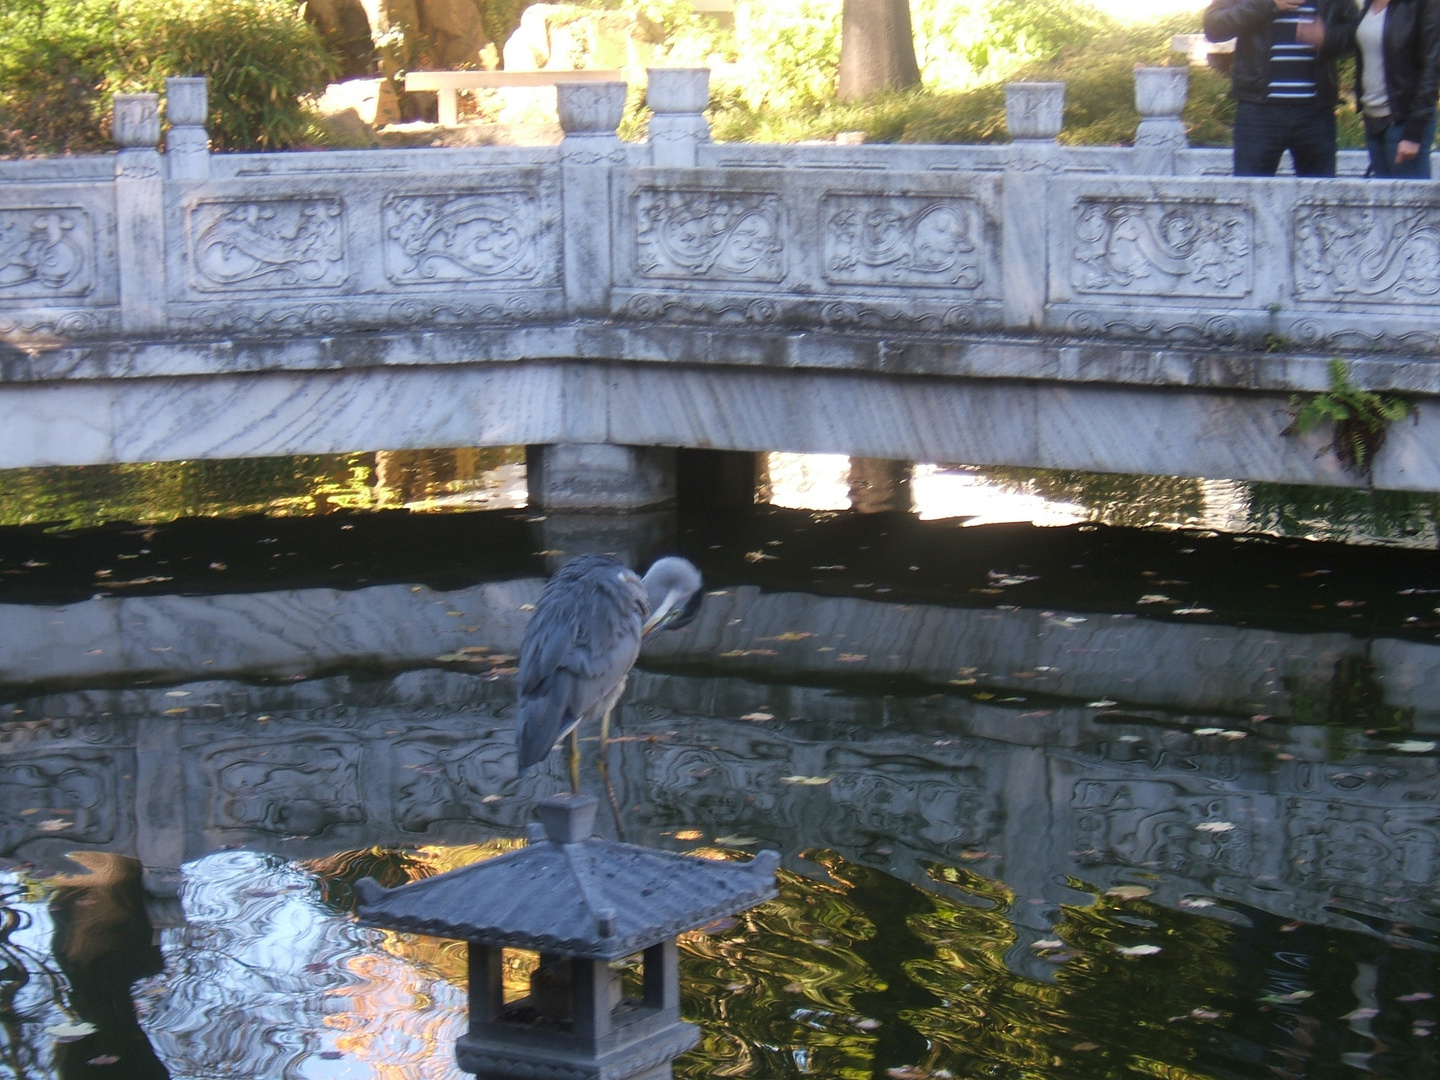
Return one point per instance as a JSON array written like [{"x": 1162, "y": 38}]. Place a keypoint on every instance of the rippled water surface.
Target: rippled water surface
[{"x": 1077, "y": 801}]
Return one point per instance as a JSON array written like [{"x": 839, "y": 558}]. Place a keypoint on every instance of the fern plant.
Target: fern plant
[{"x": 1360, "y": 419}]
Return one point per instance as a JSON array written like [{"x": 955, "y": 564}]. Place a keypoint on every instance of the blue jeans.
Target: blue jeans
[
  {"x": 1382, "y": 154},
  {"x": 1264, "y": 132}
]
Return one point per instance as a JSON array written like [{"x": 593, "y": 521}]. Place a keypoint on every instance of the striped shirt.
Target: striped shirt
[{"x": 1292, "y": 66}]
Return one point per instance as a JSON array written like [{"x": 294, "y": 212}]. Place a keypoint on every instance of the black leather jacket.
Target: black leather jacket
[
  {"x": 1251, "y": 24},
  {"x": 1412, "y": 63}
]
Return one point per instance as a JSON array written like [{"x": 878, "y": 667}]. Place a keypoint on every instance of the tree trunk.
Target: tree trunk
[{"x": 877, "y": 48}]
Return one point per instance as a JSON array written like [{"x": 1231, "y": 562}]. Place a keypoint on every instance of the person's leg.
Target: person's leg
[
  {"x": 1417, "y": 168},
  {"x": 1259, "y": 139},
  {"x": 1379, "y": 163},
  {"x": 1312, "y": 142}
]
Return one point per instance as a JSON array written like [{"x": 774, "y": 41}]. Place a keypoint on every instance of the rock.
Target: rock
[
  {"x": 345, "y": 130},
  {"x": 373, "y": 101}
]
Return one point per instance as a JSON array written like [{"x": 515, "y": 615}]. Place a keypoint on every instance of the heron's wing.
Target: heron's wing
[{"x": 583, "y": 640}]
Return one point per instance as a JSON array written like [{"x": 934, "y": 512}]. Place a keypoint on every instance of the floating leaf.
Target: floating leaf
[
  {"x": 689, "y": 834},
  {"x": 177, "y": 693},
  {"x": 759, "y": 556},
  {"x": 1215, "y": 826},
  {"x": 1208, "y": 731},
  {"x": 789, "y": 635},
  {"x": 527, "y": 607},
  {"x": 53, "y": 824},
  {"x": 758, "y": 717},
  {"x": 737, "y": 841},
  {"x": 1196, "y": 902},
  {"x": 1103, "y": 703},
  {"x": 850, "y": 657},
  {"x": 1048, "y": 943},
  {"x": 1155, "y": 598},
  {"x": 1086, "y": 1046},
  {"x": 103, "y": 1059},
  {"x": 1413, "y": 746},
  {"x": 1138, "y": 950},
  {"x": 1410, "y": 999},
  {"x": 806, "y": 781},
  {"x": 1361, "y": 1014},
  {"x": 1194, "y": 611},
  {"x": 71, "y": 1031},
  {"x": 1129, "y": 892},
  {"x": 1287, "y": 999}
]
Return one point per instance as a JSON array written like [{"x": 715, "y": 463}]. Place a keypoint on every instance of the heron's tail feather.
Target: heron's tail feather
[{"x": 543, "y": 722}]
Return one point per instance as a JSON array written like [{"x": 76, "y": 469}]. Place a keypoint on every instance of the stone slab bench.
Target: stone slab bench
[{"x": 448, "y": 84}]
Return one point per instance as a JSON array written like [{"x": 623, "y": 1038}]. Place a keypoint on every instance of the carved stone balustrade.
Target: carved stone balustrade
[
  {"x": 1136, "y": 308},
  {"x": 679, "y": 98},
  {"x": 1034, "y": 110},
  {"x": 187, "y": 146}
]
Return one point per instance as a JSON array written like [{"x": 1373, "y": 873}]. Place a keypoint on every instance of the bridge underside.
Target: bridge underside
[{"x": 1036, "y": 402}]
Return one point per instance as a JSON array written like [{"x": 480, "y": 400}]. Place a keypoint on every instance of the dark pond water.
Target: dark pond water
[{"x": 1080, "y": 799}]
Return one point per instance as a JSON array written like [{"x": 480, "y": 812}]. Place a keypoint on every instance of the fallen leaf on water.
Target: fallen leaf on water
[
  {"x": 71, "y": 1031},
  {"x": 179, "y": 710},
  {"x": 1215, "y": 826},
  {"x": 490, "y": 799},
  {"x": 734, "y": 653},
  {"x": 1361, "y": 1014},
  {"x": 758, "y": 717},
  {"x": 1138, "y": 950},
  {"x": 550, "y": 553},
  {"x": 1048, "y": 943},
  {"x": 177, "y": 693},
  {"x": 1208, "y": 731},
  {"x": 732, "y": 987},
  {"x": 1196, "y": 902},
  {"x": 737, "y": 841},
  {"x": 527, "y": 607},
  {"x": 759, "y": 556},
  {"x": 1129, "y": 892},
  {"x": 974, "y": 856},
  {"x": 867, "y": 1024},
  {"x": 1194, "y": 611},
  {"x": 103, "y": 1059},
  {"x": 1086, "y": 1046},
  {"x": 807, "y": 781},
  {"x": 1103, "y": 703},
  {"x": 1410, "y": 999},
  {"x": 1155, "y": 598},
  {"x": 1287, "y": 999},
  {"x": 1205, "y": 1014},
  {"x": 984, "y": 695},
  {"x": 53, "y": 824},
  {"x": 789, "y": 635},
  {"x": 30, "y": 810},
  {"x": 1413, "y": 746},
  {"x": 689, "y": 834},
  {"x": 794, "y": 988},
  {"x": 33, "y": 564},
  {"x": 907, "y": 1072},
  {"x": 850, "y": 657},
  {"x": 837, "y": 566}
]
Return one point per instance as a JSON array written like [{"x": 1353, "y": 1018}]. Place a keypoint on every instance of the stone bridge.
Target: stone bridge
[{"x": 1128, "y": 309}]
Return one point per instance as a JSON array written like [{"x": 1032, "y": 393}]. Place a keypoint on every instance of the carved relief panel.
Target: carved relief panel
[
  {"x": 710, "y": 235},
  {"x": 68, "y": 794},
  {"x": 903, "y": 240},
  {"x": 266, "y": 245},
  {"x": 299, "y": 787},
  {"x": 1162, "y": 248},
  {"x": 46, "y": 252},
  {"x": 496, "y": 236},
  {"x": 1369, "y": 254}
]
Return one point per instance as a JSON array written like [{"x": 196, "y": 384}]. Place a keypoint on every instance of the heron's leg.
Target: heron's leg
[
  {"x": 575, "y": 760},
  {"x": 604, "y": 763}
]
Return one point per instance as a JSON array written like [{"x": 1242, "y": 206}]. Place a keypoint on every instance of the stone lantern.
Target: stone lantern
[{"x": 580, "y": 902}]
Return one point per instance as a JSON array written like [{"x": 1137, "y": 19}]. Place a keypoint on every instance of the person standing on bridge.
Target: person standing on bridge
[
  {"x": 1283, "y": 79},
  {"x": 1397, "y": 81}
]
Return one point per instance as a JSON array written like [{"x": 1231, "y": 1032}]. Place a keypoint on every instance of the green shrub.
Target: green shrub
[{"x": 62, "y": 62}]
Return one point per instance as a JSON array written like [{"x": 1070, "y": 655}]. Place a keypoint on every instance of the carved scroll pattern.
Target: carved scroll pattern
[
  {"x": 1162, "y": 248},
  {"x": 903, "y": 241},
  {"x": 69, "y": 795},
  {"x": 267, "y": 245},
  {"x": 46, "y": 251},
  {"x": 298, "y": 788},
  {"x": 1377, "y": 254},
  {"x": 492, "y": 237},
  {"x": 713, "y": 235}
]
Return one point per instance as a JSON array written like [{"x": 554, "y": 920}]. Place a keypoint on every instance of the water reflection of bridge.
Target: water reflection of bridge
[{"x": 241, "y": 739}]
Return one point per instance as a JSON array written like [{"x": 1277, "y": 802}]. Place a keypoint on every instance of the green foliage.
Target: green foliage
[
  {"x": 261, "y": 58},
  {"x": 61, "y": 63},
  {"x": 55, "y": 60},
  {"x": 1094, "y": 58},
  {"x": 1359, "y": 418}
]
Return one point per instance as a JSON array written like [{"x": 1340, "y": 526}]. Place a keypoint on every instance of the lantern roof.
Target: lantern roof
[{"x": 572, "y": 893}]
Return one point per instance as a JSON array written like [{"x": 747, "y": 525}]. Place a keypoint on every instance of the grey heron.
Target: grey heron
[{"x": 582, "y": 642}]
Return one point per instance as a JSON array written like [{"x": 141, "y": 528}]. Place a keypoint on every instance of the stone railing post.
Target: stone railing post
[
  {"x": 679, "y": 97},
  {"x": 139, "y": 213},
  {"x": 590, "y": 113},
  {"x": 1034, "y": 113},
  {"x": 187, "y": 146},
  {"x": 1160, "y": 94}
]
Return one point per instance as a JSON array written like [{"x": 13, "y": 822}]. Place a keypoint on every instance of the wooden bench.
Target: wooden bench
[{"x": 448, "y": 84}]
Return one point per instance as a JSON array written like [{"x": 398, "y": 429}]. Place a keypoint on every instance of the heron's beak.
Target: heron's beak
[{"x": 658, "y": 616}]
